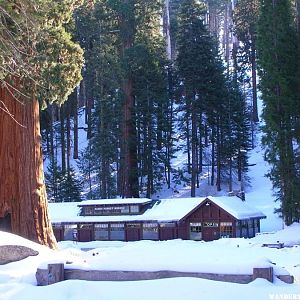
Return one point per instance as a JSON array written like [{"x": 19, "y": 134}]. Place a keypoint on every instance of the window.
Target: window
[
  {"x": 125, "y": 209},
  {"x": 85, "y": 226},
  {"x": 256, "y": 224},
  {"x": 244, "y": 229},
  {"x": 238, "y": 229},
  {"x": 117, "y": 232},
  {"x": 57, "y": 226},
  {"x": 134, "y": 209},
  {"x": 251, "y": 228},
  {"x": 150, "y": 231},
  {"x": 68, "y": 231},
  {"x": 101, "y": 232},
  {"x": 167, "y": 224},
  {"x": 89, "y": 211},
  {"x": 133, "y": 225},
  {"x": 226, "y": 230},
  {"x": 195, "y": 231}
]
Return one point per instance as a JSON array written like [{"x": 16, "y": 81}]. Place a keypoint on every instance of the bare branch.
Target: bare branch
[{"x": 6, "y": 110}]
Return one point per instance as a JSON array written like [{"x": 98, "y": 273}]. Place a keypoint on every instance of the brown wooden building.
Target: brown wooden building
[{"x": 207, "y": 219}]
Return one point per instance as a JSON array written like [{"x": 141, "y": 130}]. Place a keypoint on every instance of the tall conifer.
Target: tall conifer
[{"x": 279, "y": 62}]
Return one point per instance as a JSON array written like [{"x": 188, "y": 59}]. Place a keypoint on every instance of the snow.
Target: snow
[
  {"x": 17, "y": 280},
  {"x": 217, "y": 257},
  {"x": 167, "y": 210},
  {"x": 237, "y": 208}
]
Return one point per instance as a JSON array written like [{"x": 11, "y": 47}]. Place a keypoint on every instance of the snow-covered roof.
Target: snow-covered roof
[
  {"x": 172, "y": 209},
  {"x": 115, "y": 201},
  {"x": 237, "y": 208},
  {"x": 164, "y": 210}
]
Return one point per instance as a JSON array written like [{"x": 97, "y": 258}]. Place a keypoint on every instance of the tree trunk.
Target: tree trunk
[
  {"x": 62, "y": 139},
  {"x": 22, "y": 189},
  {"x": 129, "y": 169},
  {"x": 200, "y": 152},
  {"x": 168, "y": 130},
  {"x": 218, "y": 157},
  {"x": 212, "y": 178},
  {"x": 194, "y": 150},
  {"x": 188, "y": 143},
  {"x": 68, "y": 128},
  {"x": 254, "y": 86},
  {"x": 230, "y": 174},
  {"x": 51, "y": 112},
  {"x": 129, "y": 147},
  {"x": 75, "y": 114},
  {"x": 226, "y": 36}
]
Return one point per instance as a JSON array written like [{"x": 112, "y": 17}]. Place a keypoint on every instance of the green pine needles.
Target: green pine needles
[{"x": 278, "y": 44}]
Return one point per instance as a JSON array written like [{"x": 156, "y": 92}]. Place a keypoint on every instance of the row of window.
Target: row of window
[
  {"x": 116, "y": 231},
  {"x": 226, "y": 229},
  {"x": 111, "y": 210},
  {"x": 247, "y": 228}
]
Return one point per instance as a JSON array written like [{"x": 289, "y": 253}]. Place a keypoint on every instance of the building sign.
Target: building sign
[{"x": 210, "y": 224}]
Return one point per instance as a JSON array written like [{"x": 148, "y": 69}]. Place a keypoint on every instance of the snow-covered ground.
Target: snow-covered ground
[{"x": 17, "y": 280}]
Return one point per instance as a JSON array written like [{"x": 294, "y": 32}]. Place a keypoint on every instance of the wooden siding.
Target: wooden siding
[{"x": 208, "y": 212}]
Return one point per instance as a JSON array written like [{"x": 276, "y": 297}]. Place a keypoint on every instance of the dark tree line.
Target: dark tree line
[
  {"x": 137, "y": 103},
  {"x": 278, "y": 30}
]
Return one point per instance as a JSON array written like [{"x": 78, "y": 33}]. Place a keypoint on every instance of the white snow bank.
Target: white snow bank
[
  {"x": 290, "y": 236},
  {"x": 17, "y": 280},
  {"x": 175, "y": 289}
]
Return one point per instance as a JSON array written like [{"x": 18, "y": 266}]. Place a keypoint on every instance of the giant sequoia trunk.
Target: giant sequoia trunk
[
  {"x": 129, "y": 166},
  {"x": 23, "y": 199}
]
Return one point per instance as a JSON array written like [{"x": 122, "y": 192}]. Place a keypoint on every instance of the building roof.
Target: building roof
[
  {"x": 164, "y": 210},
  {"x": 239, "y": 209},
  {"x": 117, "y": 201}
]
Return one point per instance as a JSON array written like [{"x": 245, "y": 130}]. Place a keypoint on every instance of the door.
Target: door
[
  {"x": 167, "y": 232},
  {"x": 85, "y": 233},
  {"x": 210, "y": 231},
  {"x": 58, "y": 233},
  {"x": 133, "y": 232}
]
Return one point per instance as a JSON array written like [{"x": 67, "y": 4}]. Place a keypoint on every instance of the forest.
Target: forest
[{"x": 142, "y": 81}]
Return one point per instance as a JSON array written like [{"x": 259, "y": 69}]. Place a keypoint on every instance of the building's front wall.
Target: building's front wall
[{"x": 208, "y": 222}]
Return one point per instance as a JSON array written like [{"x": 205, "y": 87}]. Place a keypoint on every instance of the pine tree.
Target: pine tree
[
  {"x": 279, "y": 84},
  {"x": 194, "y": 57},
  {"x": 62, "y": 186},
  {"x": 125, "y": 68},
  {"x": 245, "y": 27},
  {"x": 53, "y": 179},
  {"x": 70, "y": 187}
]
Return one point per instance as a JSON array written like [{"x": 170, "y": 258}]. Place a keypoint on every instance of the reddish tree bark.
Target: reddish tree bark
[
  {"x": 129, "y": 167},
  {"x": 129, "y": 183},
  {"x": 22, "y": 188}
]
